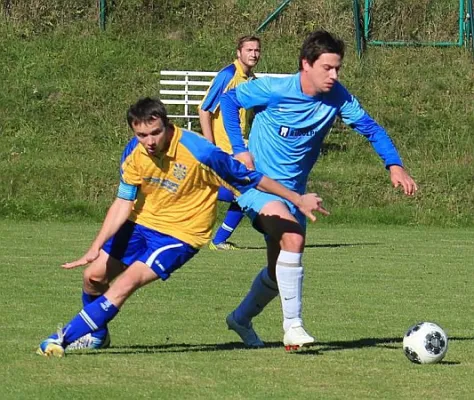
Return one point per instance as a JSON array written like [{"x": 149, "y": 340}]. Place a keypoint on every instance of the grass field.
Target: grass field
[{"x": 364, "y": 287}]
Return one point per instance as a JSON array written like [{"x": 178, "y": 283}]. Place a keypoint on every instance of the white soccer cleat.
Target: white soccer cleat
[
  {"x": 90, "y": 342},
  {"x": 246, "y": 333},
  {"x": 296, "y": 337}
]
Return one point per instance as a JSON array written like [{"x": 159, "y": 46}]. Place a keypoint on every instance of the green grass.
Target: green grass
[{"x": 364, "y": 286}]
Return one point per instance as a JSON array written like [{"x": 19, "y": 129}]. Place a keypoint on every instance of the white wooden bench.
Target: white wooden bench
[{"x": 184, "y": 90}]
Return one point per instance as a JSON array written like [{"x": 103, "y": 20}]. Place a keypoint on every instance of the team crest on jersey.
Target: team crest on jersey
[{"x": 179, "y": 171}]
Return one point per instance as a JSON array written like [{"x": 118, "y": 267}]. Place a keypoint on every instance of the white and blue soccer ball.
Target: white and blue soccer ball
[{"x": 425, "y": 343}]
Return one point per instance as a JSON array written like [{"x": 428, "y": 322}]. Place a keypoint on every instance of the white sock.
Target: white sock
[
  {"x": 262, "y": 291},
  {"x": 290, "y": 274}
]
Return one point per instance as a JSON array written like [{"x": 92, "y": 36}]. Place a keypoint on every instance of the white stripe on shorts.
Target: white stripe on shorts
[{"x": 155, "y": 254}]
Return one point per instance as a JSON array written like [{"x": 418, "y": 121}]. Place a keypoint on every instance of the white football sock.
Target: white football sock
[
  {"x": 289, "y": 273},
  {"x": 262, "y": 291}
]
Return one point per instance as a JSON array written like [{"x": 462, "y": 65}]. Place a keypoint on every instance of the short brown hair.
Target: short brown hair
[
  {"x": 146, "y": 110},
  {"x": 317, "y": 43},
  {"x": 244, "y": 39}
]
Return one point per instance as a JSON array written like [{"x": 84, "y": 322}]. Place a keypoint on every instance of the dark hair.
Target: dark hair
[
  {"x": 147, "y": 110},
  {"x": 317, "y": 43},
  {"x": 244, "y": 39}
]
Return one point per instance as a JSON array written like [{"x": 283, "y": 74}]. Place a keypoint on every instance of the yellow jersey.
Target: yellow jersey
[
  {"x": 227, "y": 78},
  {"x": 177, "y": 191}
]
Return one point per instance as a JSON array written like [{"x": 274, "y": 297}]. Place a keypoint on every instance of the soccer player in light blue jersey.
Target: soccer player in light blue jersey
[
  {"x": 164, "y": 212},
  {"x": 293, "y": 115}
]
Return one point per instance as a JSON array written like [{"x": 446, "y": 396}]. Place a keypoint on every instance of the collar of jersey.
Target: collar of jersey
[{"x": 241, "y": 72}]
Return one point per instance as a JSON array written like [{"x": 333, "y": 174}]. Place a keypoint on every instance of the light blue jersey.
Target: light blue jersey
[{"x": 289, "y": 126}]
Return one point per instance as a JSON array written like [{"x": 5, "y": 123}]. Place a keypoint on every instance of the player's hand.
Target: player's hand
[
  {"x": 91, "y": 255},
  {"x": 311, "y": 202},
  {"x": 246, "y": 159},
  {"x": 399, "y": 177}
]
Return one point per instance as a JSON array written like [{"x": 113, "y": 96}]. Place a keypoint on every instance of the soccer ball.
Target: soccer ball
[{"x": 425, "y": 343}]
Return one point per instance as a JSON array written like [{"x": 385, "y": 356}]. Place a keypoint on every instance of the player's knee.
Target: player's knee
[
  {"x": 292, "y": 241},
  {"x": 95, "y": 277}
]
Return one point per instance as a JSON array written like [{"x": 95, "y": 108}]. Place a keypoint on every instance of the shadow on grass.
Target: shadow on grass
[
  {"x": 393, "y": 343},
  {"x": 316, "y": 246}
]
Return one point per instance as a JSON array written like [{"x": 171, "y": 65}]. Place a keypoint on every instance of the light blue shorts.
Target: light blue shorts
[
  {"x": 253, "y": 200},
  {"x": 164, "y": 254}
]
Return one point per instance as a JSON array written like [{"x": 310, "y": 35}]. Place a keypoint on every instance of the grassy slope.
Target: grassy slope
[{"x": 62, "y": 116}]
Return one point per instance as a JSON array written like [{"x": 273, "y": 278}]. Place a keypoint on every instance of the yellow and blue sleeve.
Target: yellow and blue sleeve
[
  {"x": 218, "y": 86},
  {"x": 223, "y": 168},
  {"x": 129, "y": 177}
]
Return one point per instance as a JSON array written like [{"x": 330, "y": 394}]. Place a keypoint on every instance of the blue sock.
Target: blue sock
[
  {"x": 225, "y": 194},
  {"x": 92, "y": 317},
  {"x": 232, "y": 219},
  {"x": 86, "y": 300}
]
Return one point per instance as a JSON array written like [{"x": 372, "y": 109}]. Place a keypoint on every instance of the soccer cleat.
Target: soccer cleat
[
  {"x": 223, "y": 246},
  {"x": 52, "y": 346},
  {"x": 90, "y": 342},
  {"x": 246, "y": 333},
  {"x": 296, "y": 337}
]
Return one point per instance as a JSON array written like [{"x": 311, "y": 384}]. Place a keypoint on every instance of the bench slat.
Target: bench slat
[
  {"x": 183, "y": 102},
  {"x": 188, "y": 73},
  {"x": 183, "y": 92},
  {"x": 185, "y": 83}
]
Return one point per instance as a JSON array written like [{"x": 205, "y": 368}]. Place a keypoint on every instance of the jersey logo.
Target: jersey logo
[
  {"x": 287, "y": 132},
  {"x": 284, "y": 130},
  {"x": 179, "y": 171}
]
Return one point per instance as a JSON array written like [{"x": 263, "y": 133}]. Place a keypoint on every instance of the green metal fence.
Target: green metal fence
[
  {"x": 364, "y": 39},
  {"x": 102, "y": 13}
]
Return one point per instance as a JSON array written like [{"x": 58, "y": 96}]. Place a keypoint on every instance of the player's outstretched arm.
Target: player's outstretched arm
[
  {"x": 400, "y": 177},
  {"x": 115, "y": 218},
  {"x": 307, "y": 203}
]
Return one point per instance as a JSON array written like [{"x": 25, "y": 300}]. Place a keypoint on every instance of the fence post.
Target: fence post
[
  {"x": 273, "y": 15},
  {"x": 355, "y": 5},
  {"x": 7, "y": 5},
  {"x": 186, "y": 100},
  {"x": 102, "y": 13}
]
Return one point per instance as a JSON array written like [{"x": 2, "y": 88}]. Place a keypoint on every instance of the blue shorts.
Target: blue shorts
[
  {"x": 253, "y": 200},
  {"x": 164, "y": 254}
]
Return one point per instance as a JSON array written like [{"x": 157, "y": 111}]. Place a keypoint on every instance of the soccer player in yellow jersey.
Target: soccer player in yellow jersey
[
  {"x": 163, "y": 213},
  {"x": 212, "y": 126}
]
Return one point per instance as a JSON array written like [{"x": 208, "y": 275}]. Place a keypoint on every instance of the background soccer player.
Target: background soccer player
[
  {"x": 163, "y": 213},
  {"x": 294, "y": 115},
  {"x": 210, "y": 118}
]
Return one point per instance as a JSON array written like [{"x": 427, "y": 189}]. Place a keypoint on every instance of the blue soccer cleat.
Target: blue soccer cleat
[
  {"x": 52, "y": 346},
  {"x": 246, "y": 333}
]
